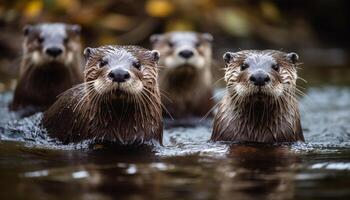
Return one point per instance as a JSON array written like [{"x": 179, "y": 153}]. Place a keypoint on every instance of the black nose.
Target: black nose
[
  {"x": 186, "y": 54},
  {"x": 260, "y": 78},
  {"x": 119, "y": 75},
  {"x": 54, "y": 51}
]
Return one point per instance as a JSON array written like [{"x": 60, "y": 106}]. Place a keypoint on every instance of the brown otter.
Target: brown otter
[
  {"x": 51, "y": 64},
  {"x": 260, "y": 103},
  {"x": 118, "y": 103},
  {"x": 186, "y": 79}
]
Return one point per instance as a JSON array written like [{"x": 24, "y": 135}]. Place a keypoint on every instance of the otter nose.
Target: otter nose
[
  {"x": 186, "y": 54},
  {"x": 54, "y": 51},
  {"x": 119, "y": 75},
  {"x": 259, "y": 79}
]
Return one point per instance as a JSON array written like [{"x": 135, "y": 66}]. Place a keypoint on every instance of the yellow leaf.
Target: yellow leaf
[
  {"x": 269, "y": 10},
  {"x": 234, "y": 21},
  {"x": 70, "y": 5},
  {"x": 159, "y": 8},
  {"x": 179, "y": 25},
  {"x": 107, "y": 39},
  {"x": 33, "y": 8}
]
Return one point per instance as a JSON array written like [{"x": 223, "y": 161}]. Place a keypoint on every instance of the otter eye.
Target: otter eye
[
  {"x": 103, "y": 63},
  {"x": 40, "y": 40},
  {"x": 137, "y": 65},
  {"x": 244, "y": 66},
  {"x": 66, "y": 40},
  {"x": 170, "y": 44},
  {"x": 275, "y": 67}
]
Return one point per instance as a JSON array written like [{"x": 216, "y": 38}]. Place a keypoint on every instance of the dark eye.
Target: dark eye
[
  {"x": 137, "y": 64},
  {"x": 66, "y": 40},
  {"x": 275, "y": 67},
  {"x": 103, "y": 63},
  {"x": 244, "y": 66},
  {"x": 170, "y": 44},
  {"x": 40, "y": 39},
  {"x": 198, "y": 44}
]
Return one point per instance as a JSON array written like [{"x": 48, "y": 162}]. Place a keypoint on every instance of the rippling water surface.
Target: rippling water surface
[{"x": 32, "y": 166}]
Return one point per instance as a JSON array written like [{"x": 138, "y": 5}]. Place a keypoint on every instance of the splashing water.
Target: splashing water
[{"x": 188, "y": 166}]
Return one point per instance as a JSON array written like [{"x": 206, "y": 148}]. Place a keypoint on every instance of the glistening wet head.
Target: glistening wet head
[
  {"x": 268, "y": 72},
  {"x": 115, "y": 71}
]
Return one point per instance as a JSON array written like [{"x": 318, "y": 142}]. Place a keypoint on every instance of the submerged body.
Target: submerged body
[
  {"x": 118, "y": 103},
  {"x": 51, "y": 64},
  {"x": 185, "y": 77},
  {"x": 260, "y": 103}
]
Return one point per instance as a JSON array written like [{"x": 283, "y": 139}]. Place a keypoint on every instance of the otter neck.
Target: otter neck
[
  {"x": 121, "y": 120},
  {"x": 255, "y": 120},
  {"x": 254, "y": 110},
  {"x": 185, "y": 78}
]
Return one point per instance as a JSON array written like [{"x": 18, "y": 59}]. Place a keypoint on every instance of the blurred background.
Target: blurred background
[
  {"x": 190, "y": 167},
  {"x": 316, "y": 29}
]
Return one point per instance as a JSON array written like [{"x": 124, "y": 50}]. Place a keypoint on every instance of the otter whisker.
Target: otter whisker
[
  {"x": 210, "y": 111},
  {"x": 89, "y": 89},
  {"x": 300, "y": 78},
  {"x": 162, "y": 105},
  {"x": 220, "y": 93},
  {"x": 164, "y": 94},
  {"x": 217, "y": 81}
]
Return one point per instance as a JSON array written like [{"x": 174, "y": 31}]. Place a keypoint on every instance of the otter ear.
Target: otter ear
[
  {"x": 88, "y": 51},
  {"x": 229, "y": 57},
  {"x": 207, "y": 37},
  {"x": 155, "y": 55},
  {"x": 75, "y": 29},
  {"x": 155, "y": 38},
  {"x": 293, "y": 57},
  {"x": 27, "y": 29}
]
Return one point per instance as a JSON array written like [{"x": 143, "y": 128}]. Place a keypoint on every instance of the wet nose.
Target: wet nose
[
  {"x": 186, "y": 54},
  {"x": 119, "y": 75},
  {"x": 54, "y": 51},
  {"x": 259, "y": 79}
]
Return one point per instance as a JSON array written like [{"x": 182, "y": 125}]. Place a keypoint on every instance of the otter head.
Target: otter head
[
  {"x": 120, "y": 72},
  {"x": 188, "y": 49},
  {"x": 51, "y": 43},
  {"x": 260, "y": 74}
]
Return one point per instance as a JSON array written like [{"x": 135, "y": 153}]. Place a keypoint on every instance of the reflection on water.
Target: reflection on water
[{"x": 33, "y": 166}]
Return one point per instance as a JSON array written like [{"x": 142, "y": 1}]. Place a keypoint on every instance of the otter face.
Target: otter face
[
  {"x": 183, "y": 49},
  {"x": 260, "y": 73},
  {"x": 47, "y": 43},
  {"x": 120, "y": 71}
]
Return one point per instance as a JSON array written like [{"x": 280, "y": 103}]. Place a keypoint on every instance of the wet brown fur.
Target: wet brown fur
[
  {"x": 40, "y": 84},
  {"x": 266, "y": 118},
  {"x": 82, "y": 113}
]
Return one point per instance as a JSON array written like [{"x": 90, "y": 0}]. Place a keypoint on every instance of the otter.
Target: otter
[
  {"x": 185, "y": 78},
  {"x": 118, "y": 103},
  {"x": 51, "y": 64},
  {"x": 260, "y": 104}
]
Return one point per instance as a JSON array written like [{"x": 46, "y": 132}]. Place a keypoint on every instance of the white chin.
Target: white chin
[
  {"x": 36, "y": 57},
  {"x": 197, "y": 62},
  {"x": 278, "y": 90},
  {"x": 70, "y": 58},
  {"x": 175, "y": 62},
  {"x": 240, "y": 89},
  {"x": 129, "y": 87}
]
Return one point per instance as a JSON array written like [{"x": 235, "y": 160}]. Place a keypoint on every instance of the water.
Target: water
[{"x": 32, "y": 166}]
